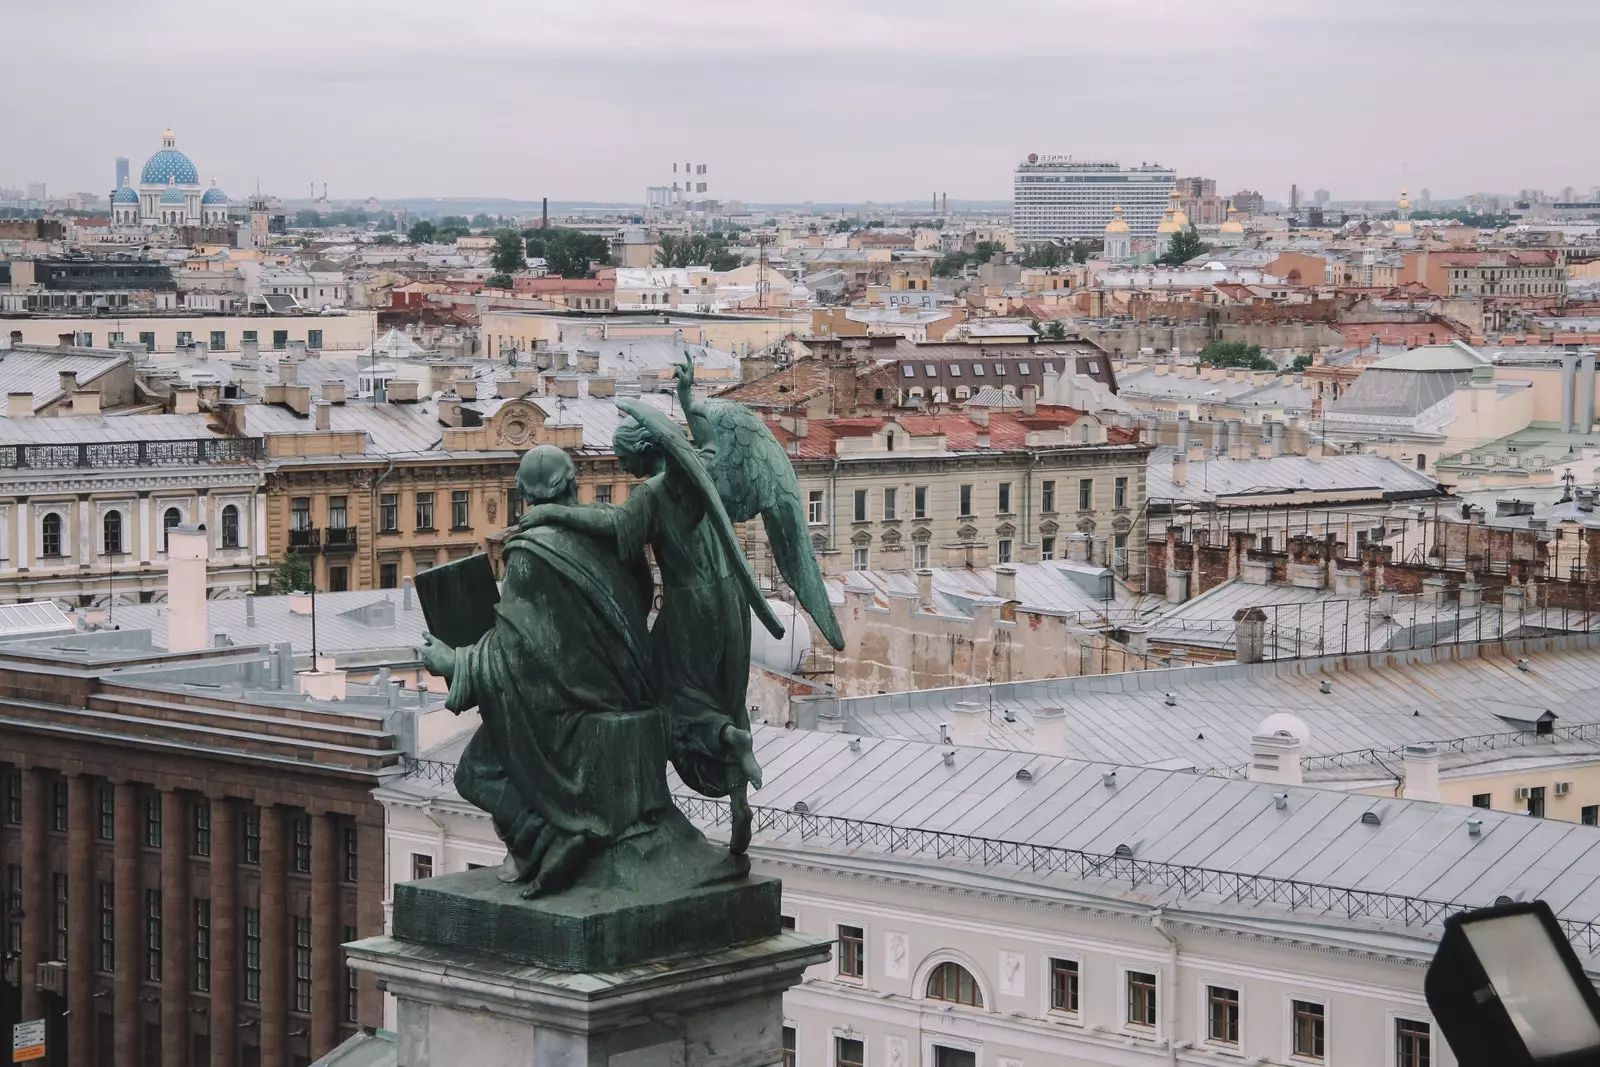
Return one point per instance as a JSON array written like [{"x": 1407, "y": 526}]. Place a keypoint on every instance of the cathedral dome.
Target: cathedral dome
[
  {"x": 214, "y": 195},
  {"x": 173, "y": 195},
  {"x": 125, "y": 195},
  {"x": 1180, "y": 218},
  {"x": 1117, "y": 224},
  {"x": 1233, "y": 225},
  {"x": 169, "y": 164}
]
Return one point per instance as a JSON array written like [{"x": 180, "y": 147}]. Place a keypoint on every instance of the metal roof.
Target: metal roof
[{"x": 1220, "y": 476}]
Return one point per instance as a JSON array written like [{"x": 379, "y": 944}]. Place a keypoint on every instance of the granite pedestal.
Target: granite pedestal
[{"x": 482, "y": 978}]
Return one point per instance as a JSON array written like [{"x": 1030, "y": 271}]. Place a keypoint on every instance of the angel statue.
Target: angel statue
[{"x": 685, "y": 511}]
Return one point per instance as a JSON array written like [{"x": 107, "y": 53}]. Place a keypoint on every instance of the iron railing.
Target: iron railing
[
  {"x": 115, "y": 454},
  {"x": 439, "y": 772}
]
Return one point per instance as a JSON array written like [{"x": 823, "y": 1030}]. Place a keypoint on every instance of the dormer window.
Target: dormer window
[
  {"x": 955, "y": 370},
  {"x": 999, "y": 370},
  {"x": 977, "y": 370},
  {"x": 929, "y": 370}
]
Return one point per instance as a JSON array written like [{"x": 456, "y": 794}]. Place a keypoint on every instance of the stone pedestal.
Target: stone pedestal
[{"x": 456, "y": 1007}]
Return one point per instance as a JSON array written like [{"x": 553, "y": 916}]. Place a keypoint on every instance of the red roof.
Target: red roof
[
  {"x": 564, "y": 285},
  {"x": 1006, "y": 430},
  {"x": 1533, "y": 257}
]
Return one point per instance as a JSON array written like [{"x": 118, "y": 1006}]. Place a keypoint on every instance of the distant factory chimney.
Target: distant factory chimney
[{"x": 544, "y": 213}]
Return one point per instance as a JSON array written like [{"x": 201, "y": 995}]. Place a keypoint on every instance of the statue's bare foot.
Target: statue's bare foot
[
  {"x": 744, "y": 751},
  {"x": 739, "y": 835}
]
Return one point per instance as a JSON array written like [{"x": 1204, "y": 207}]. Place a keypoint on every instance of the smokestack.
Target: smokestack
[
  {"x": 1586, "y": 394},
  {"x": 945, "y": 205},
  {"x": 1569, "y": 381},
  {"x": 544, "y": 213},
  {"x": 186, "y": 588}
]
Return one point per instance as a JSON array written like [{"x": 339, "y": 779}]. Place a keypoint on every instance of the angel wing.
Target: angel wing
[
  {"x": 753, "y": 476},
  {"x": 682, "y": 454}
]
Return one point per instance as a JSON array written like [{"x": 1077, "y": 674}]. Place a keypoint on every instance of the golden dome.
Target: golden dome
[
  {"x": 1117, "y": 223},
  {"x": 1405, "y": 204},
  {"x": 1233, "y": 225},
  {"x": 1168, "y": 224},
  {"x": 1179, "y": 217}
]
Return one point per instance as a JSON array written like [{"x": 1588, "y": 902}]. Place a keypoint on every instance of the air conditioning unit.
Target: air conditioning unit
[
  {"x": 1524, "y": 793},
  {"x": 1563, "y": 788}
]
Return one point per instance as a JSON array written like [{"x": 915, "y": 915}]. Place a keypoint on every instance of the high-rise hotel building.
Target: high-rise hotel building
[{"x": 1061, "y": 197}]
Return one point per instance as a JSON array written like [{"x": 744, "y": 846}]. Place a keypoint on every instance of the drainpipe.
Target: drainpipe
[
  {"x": 1171, "y": 999},
  {"x": 1027, "y": 500},
  {"x": 833, "y": 503},
  {"x": 372, "y": 511},
  {"x": 438, "y": 862}
]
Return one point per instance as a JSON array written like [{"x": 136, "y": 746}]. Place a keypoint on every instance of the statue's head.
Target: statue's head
[
  {"x": 638, "y": 454},
  {"x": 546, "y": 475}
]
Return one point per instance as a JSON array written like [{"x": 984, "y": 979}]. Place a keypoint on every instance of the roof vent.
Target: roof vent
[
  {"x": 1024, "y": 775},
  {"x": 1371, "y": 818},
  {"x": 1123, "y": 852},
  {"x": 1325, "y": 687},
  {"x": 801, "y": 808},
  {"x": 944, "y": 733},
  {"x": 1109, "y": 779},
  {"x": 1172, "y": 700},
  {"x": 1474, "y": 827},
  {"x": 1524, "y": 665},
  {"x": 1280, "y": 800},
  {"x": 949, "y": 757},
  {"x": 1010, "y": 716},
  {"x": 1502, "y": 900},
  {"x": 855, "y": 744}
]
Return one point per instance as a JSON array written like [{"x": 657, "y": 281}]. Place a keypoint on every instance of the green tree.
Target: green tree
[
  {"x": 1055, "y": 330},
  {"x": 422, "y": 232},
  {"x": 307, "y": 218},
  {"x": 385, "y": 239},
  {"x": 1046, "y": 256},
  {"x": 498, "y": 281},
  {"x": 1236, "y": 354},
  {"x": 1186, "y": 244},
  {"x": 292, "y": 574},
  {"x": 697, "y": 250},
  {"x": 956, "y": 263},
  {"x": 1300, "y": 363},
  {"x": 567, "y": 253},
  {"x": 510, "y": 253}
]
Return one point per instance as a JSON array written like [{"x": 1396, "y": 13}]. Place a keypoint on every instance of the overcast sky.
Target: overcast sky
[{"x": 801, "y": 99}]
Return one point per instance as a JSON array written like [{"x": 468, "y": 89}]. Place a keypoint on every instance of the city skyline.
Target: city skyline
[{"x": 379, "y": 107}]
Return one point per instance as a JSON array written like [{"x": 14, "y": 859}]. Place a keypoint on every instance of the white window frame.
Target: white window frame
[
  {"x": 1203, "y": 1033},
  {"x": 1289, "y": 1055},
  {"x": 861, "y": 558},
  {"x": 816, "y": 507},
  {"x": 1061, "y": 1015},
  {"x": 946, "y": 1040},
  {"x": 866, "y": 940},
  {"x": 67, "y": 510},
  {"x": 1141, "y": 1031},
  {"x": 1391, "y": 1034},
  {"x": 845, "y": 1032},
  {"x": 919, "y": 555}
]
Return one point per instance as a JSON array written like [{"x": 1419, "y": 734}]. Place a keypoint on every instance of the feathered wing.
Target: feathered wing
[
  {"x": 681, "y": 454},
  {"x": 753, "y": 476}
]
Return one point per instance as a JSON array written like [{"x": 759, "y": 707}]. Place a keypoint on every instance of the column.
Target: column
[
  {"x": 372, "y": 870},
  {"x": 275, "y": 941},
  {"x": 176, "y": 925},
  {"x": 225, "y": 937},
  {"x": 82, "y": 802},
  {"x": 129, "y": 1032},
  {"x": 24, "y": 549},
  {"x": 85, "y": 538},
  {"x": 143, "y": 529},
  {"x": 326, "y": 954},
  {"x": 35, "y": 907}
]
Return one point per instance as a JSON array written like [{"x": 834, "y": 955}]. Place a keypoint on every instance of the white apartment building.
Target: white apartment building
[{"x": 1058, "y": 197}]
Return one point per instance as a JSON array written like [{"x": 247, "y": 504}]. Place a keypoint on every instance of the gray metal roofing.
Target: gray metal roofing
[
  {"x": 1221, "y": 476},
  {"x": 1124, "y": 718},
  {"x": 347, "y": 623},
  {"x": 38, "y": 371},
  {"x": 1397, "y": 392},
  {"x": 391, "y": 429},
  {"x": 1059, "y": 586},
  {"x": 83, "y": 429},
  {"x": 1193, "y": 834}
]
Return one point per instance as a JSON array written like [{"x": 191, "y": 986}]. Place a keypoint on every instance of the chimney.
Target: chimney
[
  {"x": 1030, "y": 400},
  {"x": 250, "y": 610},
  {"x": 1050, "y": 731},
  {"x": 1469, "y": 594},
  {"x": 405, "y": 593},
  {"x": 1421, "y": 763},
  {"x": 1180, "y": 469},
  {"x": 323, "y": 413},
  {"x": 65, "y": 340},
  {"x": 86, "y": 402},
  {"x": 186, "y": 588},
  {"x": 1511, "y": 601},
  {"x": 1348, "y": 584},
  {"x": 1435, "y": 590},
  {"x": 186, "y": 401},
  {"x": 1177, "y": 586},
  {"x": 1586, "y": 387},
  {"x": 1569, "y": 385},
  {"x": 249, "y": 350},
  {"x": 402, "y": 391},
  {"x": 602, "y": 387},
  {"x": 19, "y": 405},
  {"x": 1256, "y": 571},
  {"x": 1005, "y": 582},
  {"x": 969, "y": 723},
  {"x": 925, "y": 587},
  {"x": 1249, "y": 635},
  {"x": 1275, "y": 758},
  {"x": 333, "y": 392},
  {"x": 1183, "y": 432},
  {"x": 288, "y": 373},
  {"x": 69, "y": 381},
  {"x": 466, "y": 388}
]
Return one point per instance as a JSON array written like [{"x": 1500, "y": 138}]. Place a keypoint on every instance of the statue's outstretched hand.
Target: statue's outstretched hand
[
  {"x": 684, "y": 371},
  {"x": 538, "y": 515},
  {"x": 438, "y": 657}
]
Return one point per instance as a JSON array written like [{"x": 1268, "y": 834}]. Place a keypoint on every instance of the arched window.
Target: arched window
[
  {"x": 954, "y": 983},
  {"x": 169, "y": 518},
  {"x": 230, "y": 526},
  {"x": 50, "y": 535},
  {"x": 111, "y": 533}
]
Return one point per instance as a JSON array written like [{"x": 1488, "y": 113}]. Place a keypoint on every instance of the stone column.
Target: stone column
[
  {"x": 176, "y": 923},
  {"x": 325, "y": 951},
  {"x": 35, "y": 906},
  {"x": 224, "y": 931},
  {"x": 82, "y": 802},
  {"x": 129, "y": 1033},
  {"x": 275, "y": 941}
]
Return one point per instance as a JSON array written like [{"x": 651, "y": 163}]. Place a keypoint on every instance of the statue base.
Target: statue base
[
  {"x": 585, "y": 929},
  {"x": 456, "y": 1006}
]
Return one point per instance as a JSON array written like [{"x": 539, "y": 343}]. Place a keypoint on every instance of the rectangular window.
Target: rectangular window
[
  {"x": 107, "y": 796},
  {"x": 58, "y": 804},
  {"x": 860, "y": 513},
  {"x": 252, "y": 954},
  {"x": 424, "y": 511},
  {"x": 202, "y": 946},
  {"x": 460, "y": 510},
  {"x": 280, "y": 339},
  {"x": 352, "y": 866},
  {"x": 852, "y": 951},
  {"x": 514, "y": 506},
  {"x": 814, "y": 514},
  {"x": 1047, "y": 496},
  {"x": 313, "y": 338},
  {"x": 1141, "y": 998},
  {"x": 1591, "y": 815},
  {"x": 250, "y": 826},
  {"x": 300, "y": 513},
  {"x": 919, "y": 502},
  {"x": 13, "y": 796},
  {"x": 302, "y": 843},
  {"x": 338, "y": 579},
  {"x": 421, "y": 866},
  {"x": 152, "y": 935},
  {"x": 251, "y": 336},
  {"x": 1536, "y": 802},
  {"x": 891, "y": 500},
  {"x": 919, "y": 556},
  {"x": 152, "y": 819},
  {"x": 849, "y": 1052},
  {"x": 788, "y": 1048},
  {"x": 1413, "y": 1043},
  {"x": 1309, "y": 1024},
  {"x": 302, "y": 963},
  {"x": 108, "y": 927},
  {"x": 389, "y": 513},
  {"x": 202, "y": 827},
  {"x": 1064, "y": 986},
  {"x": 1085, "y": 494},
  {"x": 148, "y": 340},
  {"x": 59, "y": 917},
  {"x": 861, "y": 559},
  {"x": 1002, "y": 550},
  {"x": 1047, "y": 548},
  {"x": 964, "y": 502},
  {"x": 352, "y": 989},
  {"x": 219, "y": 340},
  {"x": 602, "y": 494},
  {"x": 1222, "y": 1015},
  {"x": 1002, "y": 498},
  {"x": 13, "y": 908},
  {"x": 185, "y": 338},
  {"x": 1120, "y": 493},
  {"x": 1482, "y": 800},
  {"x": 388, "y": 576},
  {"x": 339, "y": 512}
]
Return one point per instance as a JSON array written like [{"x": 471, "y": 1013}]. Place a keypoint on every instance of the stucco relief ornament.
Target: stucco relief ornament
[
  {"x": 897, "y": 952},
  {"x": 897, "y": 1052},
  {"x": 583, "y": 703}
]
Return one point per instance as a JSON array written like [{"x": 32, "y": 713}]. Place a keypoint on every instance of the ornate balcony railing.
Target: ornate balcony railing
[{"x": 104, "y": 455}]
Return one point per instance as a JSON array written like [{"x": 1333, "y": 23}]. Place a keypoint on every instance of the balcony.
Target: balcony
[
  {"x": 306, "y": 542},
  {"x": 339, "y": 539}
]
